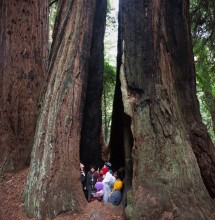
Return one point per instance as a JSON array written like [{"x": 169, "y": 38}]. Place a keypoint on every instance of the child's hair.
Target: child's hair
[
  {"x": 93, "y": 166},
  {"x": 117, "y": 173}
]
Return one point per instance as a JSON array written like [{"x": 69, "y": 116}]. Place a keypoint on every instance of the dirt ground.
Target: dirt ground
[{"x": 11, "y": 189}]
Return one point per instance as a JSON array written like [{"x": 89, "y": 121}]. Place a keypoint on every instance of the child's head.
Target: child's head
[
  {"x": 107, "y": 165},
  {"x": 81, "y": 166},
  {"x": 118, "y": 185},
  {"x": 92, "y": 168},
  {"x": 99, "y": 186},
  {"x": 117, "y": 174},
  {"x": 104, "y": 170}
]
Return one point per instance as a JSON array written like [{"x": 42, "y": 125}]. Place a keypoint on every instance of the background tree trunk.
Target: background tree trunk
[
  {"x": 23, "y": 62},
  {"x": 90, "y": 148},
  {"x": 185, "y": 86},
  {"x": 156, "y": 68},
  {"x": 210, "y": 100},
  {"x": 53, "y": 183}
]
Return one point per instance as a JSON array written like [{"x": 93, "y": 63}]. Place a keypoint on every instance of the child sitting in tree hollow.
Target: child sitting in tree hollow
[
  {"x": 116, "y": 194},
  {"x": 99, "y": 191}
]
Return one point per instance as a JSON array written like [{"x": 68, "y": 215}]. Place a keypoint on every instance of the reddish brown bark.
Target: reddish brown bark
[
  {"x": 158, "y": 93},
  {"x": 23, "y": 59},
  {"x": 53, "y": 183},
  {"x": 185, "y": 86}
]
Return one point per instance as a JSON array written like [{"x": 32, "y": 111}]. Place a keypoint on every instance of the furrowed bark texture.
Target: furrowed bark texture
[
  {"x": 156, "y": 66},
  {"x": 53, "y": 183},
  {"x": 210, "y": 100},
  {"x": 23, "y": 60},
  {"x": 91, "y": 146},
  {"x": 184, "y": 77}
]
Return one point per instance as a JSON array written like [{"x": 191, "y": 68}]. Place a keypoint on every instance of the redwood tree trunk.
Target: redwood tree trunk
[
  {"x": 210, "y": 102},
  {"x": 184, "y": 78},
  {"x": 90, "y": 148},
  {"x": 53, "y": 183},
  {"x": 156, "y": 72},
  {"x": 23, "y": 60}
]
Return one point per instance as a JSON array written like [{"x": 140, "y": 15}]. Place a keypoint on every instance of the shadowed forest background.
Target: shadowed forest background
[{"x": 130, "y": 82}]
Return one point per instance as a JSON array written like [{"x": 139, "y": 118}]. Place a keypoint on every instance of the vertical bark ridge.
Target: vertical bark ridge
[
  {"x": 182, "y": 64},
  {"x": 23, "y": 59},
  {"x": 157, "y": 59},
  {"x": 53, "y": 183}
]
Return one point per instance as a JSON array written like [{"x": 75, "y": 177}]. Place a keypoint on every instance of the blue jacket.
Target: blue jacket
[{"x": 115, "y": 198}]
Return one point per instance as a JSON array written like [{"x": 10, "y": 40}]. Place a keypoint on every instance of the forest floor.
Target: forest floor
[{"x": 11, "y": 189}]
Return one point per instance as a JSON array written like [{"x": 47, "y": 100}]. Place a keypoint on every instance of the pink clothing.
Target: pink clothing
[{"x": 98, "y": 193}]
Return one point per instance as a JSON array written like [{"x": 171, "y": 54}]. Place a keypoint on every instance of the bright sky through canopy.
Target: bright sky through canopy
[
  {"x": 111, "y": 34},
  {"x": 115, "y": 4}
]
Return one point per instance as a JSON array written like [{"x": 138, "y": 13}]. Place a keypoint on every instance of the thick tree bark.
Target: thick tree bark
[
  {"x": 184, "y": 77},
  {"x": 210, "y": 102},
  {"x": 158, "y": 90},
  {"x": 23, "y": 60},
  {"x": 53, "y": 183},
  {"x": 91, "y": 145}
]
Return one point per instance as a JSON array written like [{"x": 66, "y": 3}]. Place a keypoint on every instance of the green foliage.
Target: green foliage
[
  {"x": 202, "y": 13},
  {"x": 203, "y": 32},
  {"x": 108, "y": 94},
  {"x": 110, "y": 43},
  {"x": 111, "y": 32},
  {"x": 108, "y": 6}
]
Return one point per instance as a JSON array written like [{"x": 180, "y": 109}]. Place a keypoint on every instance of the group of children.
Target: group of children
[{"x": 102, "y": 185}]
